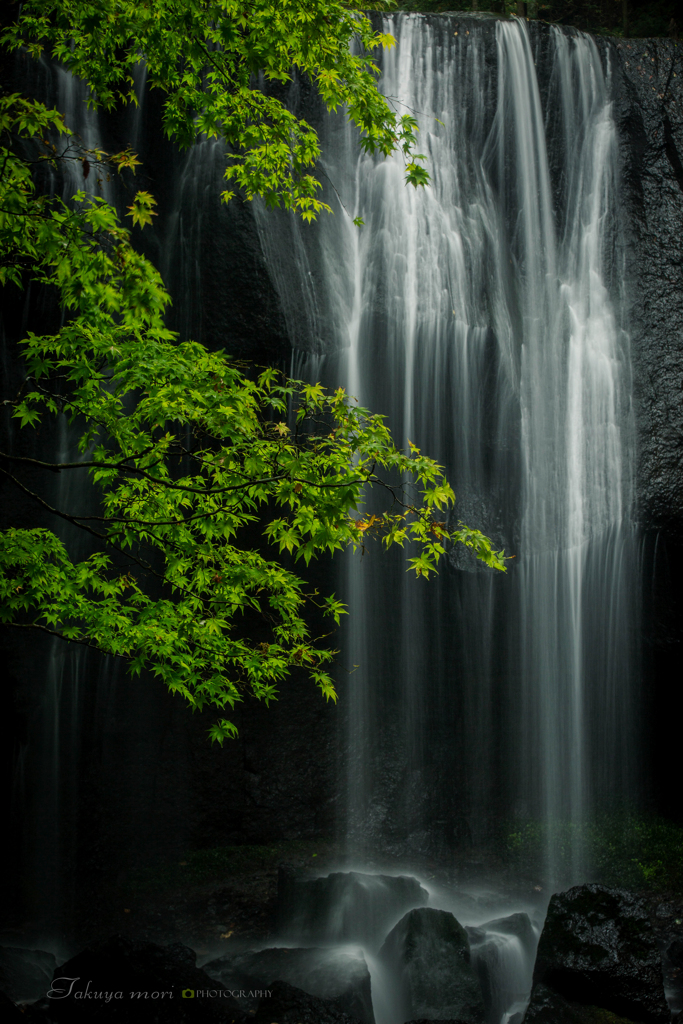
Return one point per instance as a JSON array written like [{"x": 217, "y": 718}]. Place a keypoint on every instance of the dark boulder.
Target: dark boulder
[
  {"x": 289, "y": 1005},
  {"x": 427, "y": 955},
  {"x": 598, "y": 948},
  {"x": 138, "y": 983},
  {"x": 25, "y": 974},
  {"x": 344, "y": 906},
  {"x": 338, "y": 975}
]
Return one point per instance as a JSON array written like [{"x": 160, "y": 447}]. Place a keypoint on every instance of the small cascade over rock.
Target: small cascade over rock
[
  {"x": 503, "y": 954},
  {"x": 344, "y": 906}
]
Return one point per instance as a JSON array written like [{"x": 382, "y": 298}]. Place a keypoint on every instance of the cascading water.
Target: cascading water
[
  {"x": 68, "y": 777},
  {"x": 575, "y": 538},
  {"x": 483, "y": 317},
  {"x": 48, "y": 783}
]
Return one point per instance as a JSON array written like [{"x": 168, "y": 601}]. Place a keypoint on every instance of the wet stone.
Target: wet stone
[
  {"x": 290, "y": 1005},
  {"x": 120, "y": 980},
  {"x": 427, "y": 955},
  {"x": 341, "y": 976},
  {"x": 598, "y": 948}
]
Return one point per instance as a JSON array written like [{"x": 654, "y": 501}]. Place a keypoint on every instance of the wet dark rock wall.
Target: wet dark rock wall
[
  {"x": 649, "y": 97},
  {"x": 650, "y": 117}
]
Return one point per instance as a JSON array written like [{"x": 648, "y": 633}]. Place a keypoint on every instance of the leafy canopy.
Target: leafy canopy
[
  {"x": 191, "y": 454},
  {"x": 209, "y": 57}
]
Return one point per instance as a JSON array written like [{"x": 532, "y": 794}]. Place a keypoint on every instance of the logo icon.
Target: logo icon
[{"x": 187, "y": 993}]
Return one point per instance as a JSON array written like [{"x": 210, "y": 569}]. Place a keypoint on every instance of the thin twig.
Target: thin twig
[{"x": 67, "y": 639}]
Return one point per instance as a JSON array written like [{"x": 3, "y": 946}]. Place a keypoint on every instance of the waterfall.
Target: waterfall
[
  {"x": 48, "y": 780},
  {"x": 483, "y": 317},
  {"x": 83, "y": 782}
]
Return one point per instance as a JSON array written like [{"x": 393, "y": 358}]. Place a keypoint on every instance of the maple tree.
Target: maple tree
[{"x": 189, "y": 451}]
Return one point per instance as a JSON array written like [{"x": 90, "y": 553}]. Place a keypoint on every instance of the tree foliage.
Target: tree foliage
[
  {"x": 206, "y": 56},
  {"x": 191, "y": 454}
]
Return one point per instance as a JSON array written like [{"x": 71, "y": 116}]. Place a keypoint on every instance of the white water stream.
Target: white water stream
[{"x": 482, "y": 316}]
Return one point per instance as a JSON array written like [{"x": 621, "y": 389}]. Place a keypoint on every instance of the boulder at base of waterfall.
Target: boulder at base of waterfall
[
  {"x": 549, "y": 1007},
  {"x": 428, "y": 956},
  {"x": 120, "y": 981},
  {"x": 345, "y": 906},
  {"x": 289, "y": 1005},
  {"x": 25, "y": 974},
  {"x": 338, "y": 975},
  {"x": 598, "y": 948},
  {"x": 502, "y": 953}
]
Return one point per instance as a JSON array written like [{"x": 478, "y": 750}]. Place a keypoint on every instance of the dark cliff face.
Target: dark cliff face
[
  {"x": 209, "y": 251},
  {"x": 648, "y": 88},
  {"x": 649, "y": 109}
]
